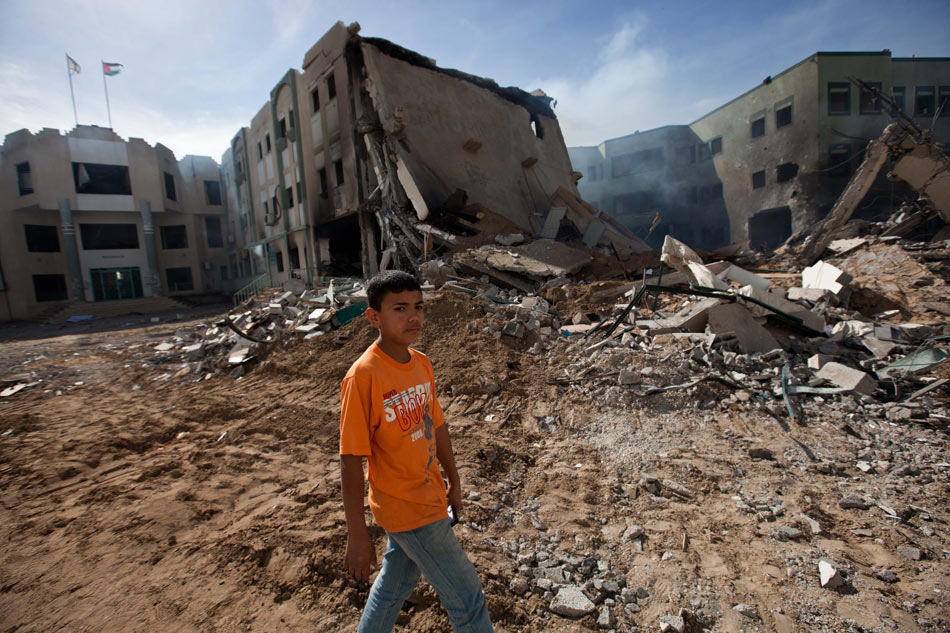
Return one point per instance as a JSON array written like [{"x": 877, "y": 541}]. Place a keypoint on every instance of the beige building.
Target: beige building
[
  {"x": 88, "y": 216},
  {"x": 349, "y": 165},
  {"x": 783, "y": 151}
]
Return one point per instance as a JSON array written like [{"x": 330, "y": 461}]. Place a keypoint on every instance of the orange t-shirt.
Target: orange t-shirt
[{"x": 389, "y": 414}]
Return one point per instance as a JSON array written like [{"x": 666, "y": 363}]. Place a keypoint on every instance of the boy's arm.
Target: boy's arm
[
  {"x": 443, "y": 451},
  {"x": 360, "y": 556}
]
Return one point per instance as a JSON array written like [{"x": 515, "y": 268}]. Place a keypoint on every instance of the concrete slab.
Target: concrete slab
[
  {"x": 553, "y": 222},
  {"x": 848, "y": 378},
  {"x": 732, "y": 318}
]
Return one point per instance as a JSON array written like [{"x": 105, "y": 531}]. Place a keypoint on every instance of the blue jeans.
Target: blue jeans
[{"x": 434, "y": 551}]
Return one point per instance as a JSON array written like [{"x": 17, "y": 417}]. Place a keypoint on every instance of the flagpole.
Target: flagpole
[
  {"x": 72, "y": 94},
  {"x": 105, "y": 87}
]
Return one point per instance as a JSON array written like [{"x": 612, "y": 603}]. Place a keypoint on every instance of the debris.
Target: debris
[
  {"x": 831, "y": 577},
  {"x": 570, "y": 602},
  {"x": 847, "y": 377}
]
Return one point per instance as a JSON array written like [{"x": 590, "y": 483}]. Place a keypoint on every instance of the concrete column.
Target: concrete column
[
  {"x": 150, "y": 278},
  {"x": 73, "y": 268}
]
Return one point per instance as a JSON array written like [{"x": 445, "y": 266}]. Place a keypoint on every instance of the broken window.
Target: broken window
[
  {"x": 315, "y": 99},
  {"x": 758, "y": 179},
  {"x": 276, "y": 206},
  {"x": 758, "y": 127},
  {"x": 324, "y": 187},
  {"x": 260, "y": 152},
  {"x": 704, "y": 153},
  {"x": 636, "y": 202},
  {"x": 644, "y": 160},
  {"x": 24, "y": 178},
  {"x": 282, "y": 124},
  {"x": 769, "y": 228},
  {"x": 943, "y": 101},
  {"x": 715, "y": 145},
  {"x": 294, "y": 257},
  {"x": 41, "y": 238},
  {"x": 839, "y": 97},
  {"x": 104, "y": 179},
  {"x": 267, "y": 142},
  {"x": 179, "y": 279},
  {"x": 924, "y": 101},
  {"x": 104, "y": 237},
  {"x": 213, "y": 192},
  {"x": 338, "y": 166},
  {"x": 174, "y": 236},
  {"x": 289, "y": 197},
  {"x": 839, "y": 160},
  {"x": 786, "y": 171},
  {"x": 279, "y": 255},
  {"x": 213, "y": 231},
  {"x": 869, "y": 103},
  {"x": 50, "y": 288},
  {"x": 331, "y": 87},
  {"x": 290, "y": 118},
  {"x": 783, "y": 116},
  {"x": 898, "y": 96},
  {"x": 170, "y": 186}
]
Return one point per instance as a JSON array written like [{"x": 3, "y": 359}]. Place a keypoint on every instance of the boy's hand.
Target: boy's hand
[
  {"x": 360, "y": 557},
  {"x": 454, "y": 496}
]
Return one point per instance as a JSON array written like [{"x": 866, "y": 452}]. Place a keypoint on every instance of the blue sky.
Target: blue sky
[{"x": 196, "y": 71}]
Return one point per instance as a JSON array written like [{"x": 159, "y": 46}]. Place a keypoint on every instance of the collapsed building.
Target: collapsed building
[
  {"x": 372, "y": 157},
  {"x": 775, "y": 158}
]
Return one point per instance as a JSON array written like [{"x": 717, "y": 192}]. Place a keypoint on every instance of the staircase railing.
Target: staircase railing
[{"x": 257, "y": 284}]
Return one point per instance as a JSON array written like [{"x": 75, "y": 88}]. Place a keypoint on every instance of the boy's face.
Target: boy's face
[{"x": 399, "y": 318}]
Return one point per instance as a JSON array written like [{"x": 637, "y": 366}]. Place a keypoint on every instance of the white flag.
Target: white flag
[{"x": 71, "y": 63}]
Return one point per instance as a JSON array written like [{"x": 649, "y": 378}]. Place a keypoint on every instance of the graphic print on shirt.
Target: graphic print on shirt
[{"x": 410, "y": 408}]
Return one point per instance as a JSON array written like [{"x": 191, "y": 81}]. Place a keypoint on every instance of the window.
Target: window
[
  {"x": 704, "y": 153},
  {"x": 898, "y": 94},
  {"x": 758, "y": 127},
  {"x": 179, "y": 279},
  {"x": 758, "y": 179},
  {"x": 276, "y": 205},
  {"x": 943, "y": 101},
  {"x": 331, "y": 86},
  {"x": 280, "y": 261},
  {"x": 924, "y": 101},
  {"x": 104, "y": 237},
  {"x": 290, "y": 197},
  {"x": 324, "y": 188},
  {"x": 24, "y": 179},
  {"x": 267, "y": 142},
  {"x": 223, "y": 271},
  {"x": 839, "y": 161},
  {"x": 290, "y": 118},
  {"x": 294, "y": 257},
  {"x": 715, "y": 145},
  {"x": 839, "y": 97},
  {"x": 213, "y": 231},
  {"x": 783, "y": 116},
  {"x": 869, "y": 103},
  {"x": 283, "y": 127},
  {"x": 315, "y": 100},
  {"x": 170, "y": 186},
  {"x": 41, "y": 238},
  {"x": 174, "y": 236},
  {"x": 50, "y": 287},
  {"x": 786, "y": 171},
  {"x": 260, "y": 152},
  {"x": 213, "y": 192},
  {"x": 104, "y": 179},
  {"x": 338, "y": 166},
  {"x": 644, "y": 160}
]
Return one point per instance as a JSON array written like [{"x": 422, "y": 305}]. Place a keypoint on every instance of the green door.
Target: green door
[{"x": 109, "y": 284}]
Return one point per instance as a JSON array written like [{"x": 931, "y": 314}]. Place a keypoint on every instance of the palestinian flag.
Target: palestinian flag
[{"x": 110, "y": 69}]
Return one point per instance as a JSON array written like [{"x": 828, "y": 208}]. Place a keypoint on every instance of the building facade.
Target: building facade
[
  {"x": 782, "y": 152},
  {"x": 89, "y": 216}
]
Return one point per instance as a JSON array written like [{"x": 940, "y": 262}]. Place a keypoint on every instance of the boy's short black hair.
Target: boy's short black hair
[{"x": 389, "y": 281}]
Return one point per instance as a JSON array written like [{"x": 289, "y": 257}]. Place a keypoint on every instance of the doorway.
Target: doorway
[{"x": 110, "y": 284}]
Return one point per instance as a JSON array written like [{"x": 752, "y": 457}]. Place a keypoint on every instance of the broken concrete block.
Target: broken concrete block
[
  {"x": 817, "y": 361},
  {"x": 824, "y": 275},
  {"x": 194, "y": 352},
  {"x": 306, "y": 328},
  {"x": 316, "y": 314},
  {"x": 744, "y": 278},
  {"x": 580, "y": 328},
  {"x": 853, "y": 502},
  {"x": 287, "y": 299},
  {"x": 509, "y": 240},
  {"x": 606, "y": 619},
  {"x": 693, "y": 318},
  {"x": 535, "y": 303},
  {"x": 275, "y": 308},
  {"x": 513, "y": 328},
  {"x": 164, "y": 347},
  {"x": 910, "y": 552},
  {"x": 553, "y": 222},
  {"x": 731, "y": 318},
  {"x": 814, "y": 295},
  {"x": 595, "y": 230},
  {"x": 580, "y": 318},
  {"x": 830, "y": 577},
  {"x": 876, "y": 346},
  {"x": 570, "y": 602},
  {"x": 628, "y": 377},
  {"x": 848, "y": 378}
]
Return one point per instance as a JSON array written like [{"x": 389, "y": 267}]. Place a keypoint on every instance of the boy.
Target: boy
[{"x": 390, "y": 416}]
